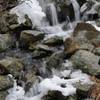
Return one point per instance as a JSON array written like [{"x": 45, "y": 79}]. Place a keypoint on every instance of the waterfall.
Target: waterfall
[
  {"x": 52, "y": 13},
  {"x": 76, "y": 9}
]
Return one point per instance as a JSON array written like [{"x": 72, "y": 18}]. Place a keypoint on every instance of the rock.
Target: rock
[
  {"x": 6, "y": 21},
  {"x": 97, "y": 51},
  {"x": 7, "y": 4},
  {"x": 55, "y": 60},
  {"x": 6, "y": 42},
  {"x": 95, "y": 89},
  {"x": 84, "y": 27},
  {"x": 83, "y": 90},
  {"x": 86, "y": 61},
  {"x": 56, "y": 95},
  {"x": 28, "y": 37},
  {"x": 3, "y": 95},
  {"x": 40, "y": 47},
  {"x": 70, "y": 46},
  {"x": 87, "y": 46},
  {"x": 14, "y": 66},
  {"x": 53, "y": 41},
  {"x": 87, "y": 35},
  {"x": 40, "y": 50},
  {"x": 5, "y": 83},
  {"x": 38, "y": 54}
]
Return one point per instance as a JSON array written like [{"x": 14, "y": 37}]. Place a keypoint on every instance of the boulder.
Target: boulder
[
  {"x": 55, "y": 60},
  {"x": 86, "y": 33},
  {"x": 70, "y": 46},
  {"x": 28, "y": 37},
  {"x": 97, "y": 51},
  {"x": 86, "y": 61},
  {"x": 83, "y": 90},
  {"x": 5, "y": 83},
  {"x": 56, "y": 95},
  {"x": 53, "y": 41},
  {"x": 6, "y": 21},
  {"x": 40, "y": 50},
  {"x": 84, "y": 27},
  {"x": 14, "y": 66},
  {"x": 38, "y": 54}
]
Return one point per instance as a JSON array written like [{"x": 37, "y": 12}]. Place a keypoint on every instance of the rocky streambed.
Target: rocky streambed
[{"x": 34, "y": 67}]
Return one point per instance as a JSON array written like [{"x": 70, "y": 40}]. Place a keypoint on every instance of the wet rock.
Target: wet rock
[
  {"x": 97, "y": 51},
  {"x": 56, "y": 95},
  {"x": 53, "y": 41},
  {"x": 6, "y": 42},
  {"x": 55, "y": 60},
  {"x": 40, "y": 47},
  {"x": 38, "y": 54},
  {"x": 7, "y": 4},
  {"x": 14, "y": 66},
  {"x": 40, "y": 50},
  {"x": 87, "y": 46},
  {"x": 70, "y": 46},
  {"x": 84, "y": 27},
  {"x": 3, "y": 95},
  {"x": 83, "y": 90},
  {"x": 86, "y": 61},
  {"x": 28, "y": 37},
  {"x": 5, "y": 83},
  {"x": 86, "y": 34},
  {"x": 6, "y": 21}
]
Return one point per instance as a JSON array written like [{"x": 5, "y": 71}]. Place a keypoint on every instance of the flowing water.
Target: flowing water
[
  {"x": 36, "y": 13},
  {"x": 76, "y": 9}
]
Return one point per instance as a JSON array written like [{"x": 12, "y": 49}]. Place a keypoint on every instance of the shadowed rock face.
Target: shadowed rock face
[{"x": 7, "y": 4}]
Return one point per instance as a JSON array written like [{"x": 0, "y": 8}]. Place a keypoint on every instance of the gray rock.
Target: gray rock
[
  {"x": 28, "y": 37},
  {"x": 56, "y": 95},
  {"x": 83, "y": 90},
  {"x": 14, "y": 66},
  {"x": 86, "y": 61},
  {"x": 5, "y": 83},
  {"x": 87, "y": 46},
  {"x": 53, "y": 41},
  {"x": 97, "y": 51},
  {"x": 55, "y": 60}
]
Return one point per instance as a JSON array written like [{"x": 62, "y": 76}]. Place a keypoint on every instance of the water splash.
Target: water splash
[{"x": 76, "y": 9}]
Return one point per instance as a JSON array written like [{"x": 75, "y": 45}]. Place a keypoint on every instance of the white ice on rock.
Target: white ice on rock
[
  {"x": 30, "y": 8},
  {"x": 51, "y": 84}
]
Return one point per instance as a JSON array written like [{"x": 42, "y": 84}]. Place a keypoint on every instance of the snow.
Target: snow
[{"x": 30, "y": 8}]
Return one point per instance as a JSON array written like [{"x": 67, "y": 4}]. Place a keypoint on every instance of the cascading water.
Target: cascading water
[
  {"x": 35, "y": 13},
  {"x": 52, "y": 13},
  {"x": 76, "y": 9}
]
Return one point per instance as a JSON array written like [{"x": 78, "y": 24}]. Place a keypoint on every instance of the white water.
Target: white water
[
  {"x": 53, "y": 13},
  {"x": 30, "y": 8},
  {"x": 76, "y": 9},
  {"x": 54, "y": 83}
]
